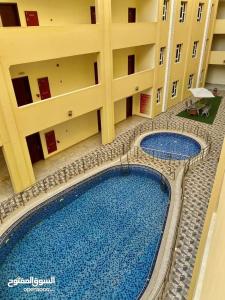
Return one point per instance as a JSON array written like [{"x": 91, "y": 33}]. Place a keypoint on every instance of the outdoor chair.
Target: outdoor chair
[{"x": 205, "y": 111}]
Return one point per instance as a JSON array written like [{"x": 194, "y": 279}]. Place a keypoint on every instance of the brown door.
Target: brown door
[
  {"x": 99, "y": 120},
  {"x": 129, "y": 107},
  {"x": 32, "y": 18},
  {"x": 96, "y": 72},
  {"x": 51, "y": 141},
  {"x": 131, "y": 15},
  {"x": 9, "y": 14},
  {"x": 131, "y": 64},
  {"x": 44, "y": 88},
  {"x": 93, "y": 15},
  {"x": 35, "y": 147},
  {"x": 22, "y": 91}
]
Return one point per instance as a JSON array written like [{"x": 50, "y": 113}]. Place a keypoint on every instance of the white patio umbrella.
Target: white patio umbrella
[{"x": 201, "y": 93}]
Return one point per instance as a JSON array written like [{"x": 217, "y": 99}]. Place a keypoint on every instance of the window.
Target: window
[
  {"x": 195, "y": 46},
  {"x": 178, "y": 52},
  {"x": 174, "y": 89},
  {"x": 190, "y": 81},
  {"x": 158, "y": 95},
  {"x": 165, "y": 10},
  {"x": 183, "y": 9},
  {"x": 200, "y": 9},
  {"x": 162, "y": 55}
]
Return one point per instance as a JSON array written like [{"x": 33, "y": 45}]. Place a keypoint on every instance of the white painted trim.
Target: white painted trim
[
  {"x": 169, "y": 54},
  {"x": 198, "y": 290},
  {"x": 203, "y": 50}
]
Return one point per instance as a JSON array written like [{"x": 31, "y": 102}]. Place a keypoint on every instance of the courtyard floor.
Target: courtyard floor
[{"x": 197, "y": 191}]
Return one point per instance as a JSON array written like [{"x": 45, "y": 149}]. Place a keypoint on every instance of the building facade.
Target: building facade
[{"x": 71, "y": 69}]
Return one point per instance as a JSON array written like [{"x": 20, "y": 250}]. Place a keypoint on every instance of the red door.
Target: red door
[
  {"x": 31, "y": 18},
  {"x": 51, "y": 141},
  {"x": 44, "y": 88}
]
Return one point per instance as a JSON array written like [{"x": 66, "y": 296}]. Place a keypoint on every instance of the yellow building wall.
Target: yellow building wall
[
  {"x": 57, "y": 12},
  {"x": 73, "y": 73},
  {"x": 216, "y": 74},
  {"x": 120, "y": 110},
  {"x": 213, "y": 280},
  {"x": 120, "y": 10},
  {"x": 144, "y": 59},
  {"x": 72, "y": 132}
]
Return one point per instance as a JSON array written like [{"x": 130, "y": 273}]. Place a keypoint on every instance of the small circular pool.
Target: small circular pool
[{"x": 170, "y": 145}]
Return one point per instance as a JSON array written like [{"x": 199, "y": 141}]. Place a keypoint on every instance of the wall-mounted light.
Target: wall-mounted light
[
  {"x": 137, "y": 88},
  {"x": 70, "y": 113}
]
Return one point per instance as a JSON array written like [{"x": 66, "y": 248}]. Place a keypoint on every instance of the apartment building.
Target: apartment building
[
  {"x": 71, "y": 69},
  {"x": 216, "y": 67}
]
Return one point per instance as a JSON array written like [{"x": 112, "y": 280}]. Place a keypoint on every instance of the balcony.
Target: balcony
[
  {"x": 134, "y": 11},
  {"x": 22, "y": 45},
  {"x": 217, "y": 58},
  {"x": 133, "y": 34},
  {"x": 220, "y": 27},
  {"x": 128, "y": 85},
  {"x": 39, "y": 115}
]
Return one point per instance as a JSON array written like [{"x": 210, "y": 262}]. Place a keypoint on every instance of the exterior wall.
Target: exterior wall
[
  {"x": 56, "y": 13},
  {"x": 72, "y": 132},
  {"x": 214, "y": 62},
  {"x": 63, "y": 33},
  {"x": 120, "y": 110},
  {"x": 144, "y": 59},
  {"x": 73, "y": 73},
  {"x": 213, "y": 280}
]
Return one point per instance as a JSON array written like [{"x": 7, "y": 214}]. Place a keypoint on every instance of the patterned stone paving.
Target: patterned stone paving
[{"x": 197, "y": 190}]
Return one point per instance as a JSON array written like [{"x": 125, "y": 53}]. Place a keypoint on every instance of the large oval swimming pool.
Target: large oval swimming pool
[
  {"x": 99, "y": 239},
  {"x": 170, "y": 145}
]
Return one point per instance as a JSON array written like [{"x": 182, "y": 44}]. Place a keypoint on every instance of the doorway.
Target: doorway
[
  {"x": 129, "y": 107},
  {"x": 96, "y": 72},
  {"x": 35, "y": 147},
  {"x": 9, "y": 15},
  {"x": 131, "y": 15},
  {"x": 131, "y": 64},
  {"x": 22, "y": 90},
  {"x": 93, "y": 15},
  {"x": 99, "y": 120},
  {"x": 44, "y": 88}
]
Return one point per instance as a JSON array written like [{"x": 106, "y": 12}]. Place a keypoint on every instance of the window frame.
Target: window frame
[
  {"x": 200, "y": 11},
  {"x": 162, "y": 55},
  {"x": 178, "y": 53},
  {"x": 158, "y": 95},
  {"x": 174, "y": 88},
  {"x": 195, "y": 48},
  {"x": 183, "y": 11},
  {"x": 190, "y": 81},
  {"x": 165, "y": 10}
]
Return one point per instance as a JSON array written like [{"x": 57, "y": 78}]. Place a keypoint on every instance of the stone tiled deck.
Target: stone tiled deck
[{"x": 197, "y": 191}]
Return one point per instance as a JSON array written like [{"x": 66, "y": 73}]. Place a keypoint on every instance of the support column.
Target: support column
[
  {"x": 14, "y": 143},
  {"x": 106, "y": 71}
]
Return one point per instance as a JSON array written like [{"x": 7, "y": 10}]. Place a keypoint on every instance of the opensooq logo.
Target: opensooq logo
[{"x": 38, "y": 285}]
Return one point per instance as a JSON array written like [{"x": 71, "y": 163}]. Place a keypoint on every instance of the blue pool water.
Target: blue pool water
[
  {"x": 100, "y": 242},
  {"x": 168, "y": 145}
]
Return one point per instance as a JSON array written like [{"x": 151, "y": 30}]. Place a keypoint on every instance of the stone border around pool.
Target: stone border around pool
[
  {"x": 168, "y": 234},
  {"x": 201, "y": 142},
  {"x": 164, "y": 254}
]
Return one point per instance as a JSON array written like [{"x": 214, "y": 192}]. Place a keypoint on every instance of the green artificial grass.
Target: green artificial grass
[{"x": 215, "y": 104}]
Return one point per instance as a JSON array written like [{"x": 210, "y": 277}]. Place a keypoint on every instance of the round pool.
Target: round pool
[{"x": 170, "y": 145}]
